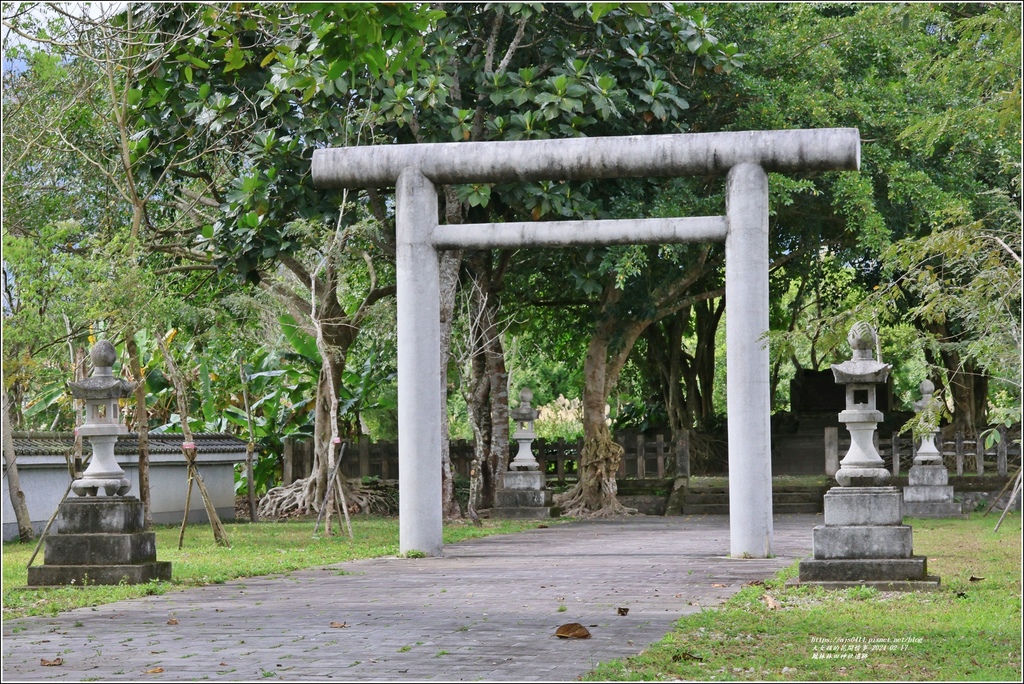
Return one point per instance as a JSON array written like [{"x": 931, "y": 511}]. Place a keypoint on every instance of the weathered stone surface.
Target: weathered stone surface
[
  {"x": 114, "y": 515},
  {"x": 100, "y": 549},
  {"x": 866, "y": 541},
  {"x": 928, "y": 509},
  {"x": 928, "y": 493},
  {"x": 857, "y": 570},
  {"x": 846, "y": 506},
  {"x": 928, "y": 475},
  {"x": 60, "y": 575},
  {"x": 513, "y": 498},
  {"x": 525, "y": 479}
]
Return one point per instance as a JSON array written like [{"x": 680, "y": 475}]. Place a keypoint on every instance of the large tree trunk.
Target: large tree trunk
[
  {"x": 709, "y": 314},
  {"x": 25, "y": 531},
  {"x": 451, "y": 262},
  {"x": 966, "y": 385},
  {"x": 488, "y": 376},
  {"x": 594, "y": 494}
]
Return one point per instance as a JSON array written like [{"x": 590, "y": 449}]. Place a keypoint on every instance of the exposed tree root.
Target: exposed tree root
[
  {"x": 299, "y": 498},
  {"x": 594, "y": 494}
]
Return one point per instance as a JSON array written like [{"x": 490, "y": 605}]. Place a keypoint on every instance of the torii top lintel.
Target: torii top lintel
[{"x": 820, "y": 149}]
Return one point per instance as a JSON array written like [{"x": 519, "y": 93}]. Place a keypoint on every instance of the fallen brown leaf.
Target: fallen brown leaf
[
  {"x": 572, "y": 630},
  {"x": 338, "y": 625},
  {"x": 975, "y": 579},
  {"x": 51, "y": 663},
  {"x": 172, "y": 621},
  {"x": 542, "y": 527},
  {"x": 155, "y": 670},
  {"x": 754, "y": 583},
  {"x": 770, "y": 601},
  {"x": 623, "y": 611},
  {"x": 223, "y": 664},
  {"x": 720, "y": 585}
]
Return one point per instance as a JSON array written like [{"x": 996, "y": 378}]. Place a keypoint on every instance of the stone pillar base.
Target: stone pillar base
[
  {"x": 929, "y": 495},
  {"x": 865, "y": 543},
  {"x": 99, "y": 541},
  {"x": 525, "y": 496}
]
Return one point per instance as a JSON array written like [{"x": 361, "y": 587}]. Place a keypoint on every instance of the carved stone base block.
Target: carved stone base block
[{"x": 99, "y": 541}]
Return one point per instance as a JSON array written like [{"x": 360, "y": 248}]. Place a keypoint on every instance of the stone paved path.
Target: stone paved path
[{"x": 487, "y": 610}]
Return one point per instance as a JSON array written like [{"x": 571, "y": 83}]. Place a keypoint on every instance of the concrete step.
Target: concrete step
[{"x": 705, "y": 509}]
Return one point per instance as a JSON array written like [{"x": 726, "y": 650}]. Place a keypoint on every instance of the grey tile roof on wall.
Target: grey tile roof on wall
[{"x": 29, "y": 443}]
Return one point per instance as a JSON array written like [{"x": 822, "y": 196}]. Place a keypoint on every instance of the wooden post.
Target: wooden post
[
  {"x": 288, "y": 457},
  {"x": 895, "y": 454},
  {"x": 1001, "y": 452},
  {"x": 831, "y": 451},
  {"x": 641, "y": 467},
  {"x": 364, "y": 456},
  {"x": 979, "y": 458},
  {"x": 683, "y": 454},
  {"x": 959, "y": 454},
  {"x": 560, "y": 460},
  {"x": 660, "y": 441}
]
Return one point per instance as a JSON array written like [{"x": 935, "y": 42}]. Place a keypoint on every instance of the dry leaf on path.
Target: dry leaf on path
[
  {"x": 623, "y": 611},
  {"x": 722, "y": 586},
  {"x": 51, "y": 663},
  {"x": 155, "y": 670},
  {"x": 572, "y": 630},
  {"x": 338, "y": 625},
  {"x": 172, "y": 621},
  {"x": 770, "y": 601}
]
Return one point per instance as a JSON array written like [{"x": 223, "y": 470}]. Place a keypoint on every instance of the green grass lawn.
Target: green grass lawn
[
  {"x": 968, "y": 630},
  {"x": 261, "y": 549}
]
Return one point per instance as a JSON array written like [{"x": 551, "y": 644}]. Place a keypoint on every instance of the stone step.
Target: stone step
[
  {"x": 705, "y": 509},
  {"x": 81, "y": 575},
  {"x": 526, "y": 512},
  {"x": 796, "y": 507},
  {"x": 100, "y": 549},
  {"x": 920, "y": 509},
  {"x": 875, "y": 569}
]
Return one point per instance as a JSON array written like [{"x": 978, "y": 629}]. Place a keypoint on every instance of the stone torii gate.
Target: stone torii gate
[{"x": 416, "y": 170}]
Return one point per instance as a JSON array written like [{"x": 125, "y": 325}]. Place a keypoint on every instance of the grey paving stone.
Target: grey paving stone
[{"x": 487, "y": 610}]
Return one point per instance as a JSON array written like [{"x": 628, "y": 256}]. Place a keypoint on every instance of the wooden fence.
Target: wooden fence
[
  {"x": 959, "y": 454},
  {"x": 648, "y": 457},
  {"x": 645, "y": 457}
]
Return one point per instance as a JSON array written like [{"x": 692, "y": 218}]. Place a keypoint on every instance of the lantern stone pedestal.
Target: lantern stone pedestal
[
  {"x": 100, "y": 535},
  {"x": 525, "y": 493},
  {"x": 864, "y": 541},
  {"x": 100, "y": 540}
]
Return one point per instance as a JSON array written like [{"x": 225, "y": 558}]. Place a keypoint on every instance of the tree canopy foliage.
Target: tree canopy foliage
[{"x": 157, "y": 176}]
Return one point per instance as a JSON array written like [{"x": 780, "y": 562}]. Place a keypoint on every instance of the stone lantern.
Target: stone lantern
[
  {"x": 928, "y": 453},
  {"x": 928, "y": 493},
  {"x": 102, "y": 392},
  {"x": 524, "y": 415},
  {"x": 524, "y": 492},
  {"x": 864, "y": 541},
  {"x": 101, "y": 536},
  {"x": 862, "y": 466}
]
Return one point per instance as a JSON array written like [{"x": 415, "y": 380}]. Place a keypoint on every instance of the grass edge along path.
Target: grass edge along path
[
  {"x": 970, "y": 629},
  {"x": 266, "y": 548}
]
